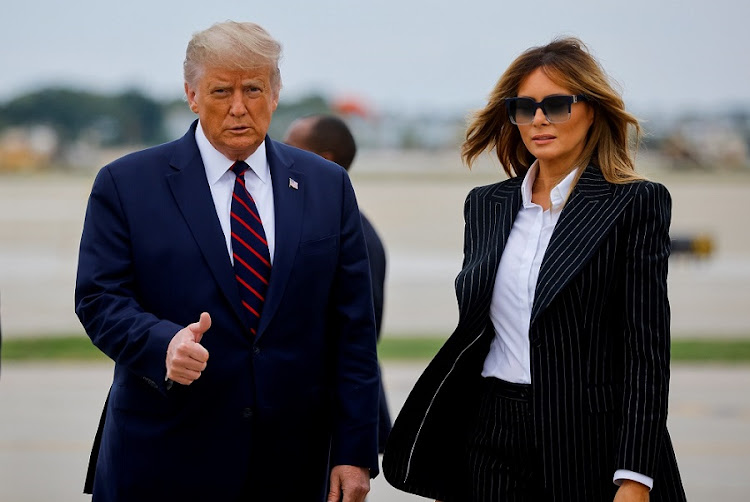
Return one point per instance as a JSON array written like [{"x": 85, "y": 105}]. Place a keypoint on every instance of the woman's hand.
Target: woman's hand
[{"x": 632, "y": 491}]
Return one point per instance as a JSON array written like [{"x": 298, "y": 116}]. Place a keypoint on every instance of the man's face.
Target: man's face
[{"x": 235, "y": 108}]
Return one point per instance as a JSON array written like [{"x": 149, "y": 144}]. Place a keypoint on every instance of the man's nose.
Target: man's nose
[{"x": 238, "y": 107}]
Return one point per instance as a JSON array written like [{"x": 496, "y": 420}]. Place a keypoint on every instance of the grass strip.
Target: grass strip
[
  {"x": 732, "y": 351},
  {"x": 52, "y": 348},
  {"x": 390, "y": 348}
]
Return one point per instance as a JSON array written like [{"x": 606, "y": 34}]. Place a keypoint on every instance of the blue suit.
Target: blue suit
[{"x": 268, "y": 411}]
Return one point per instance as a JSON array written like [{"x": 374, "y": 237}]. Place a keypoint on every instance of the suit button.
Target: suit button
[
  {"x": 256, "y": 350},
  {"x": 247, "y": 413}
]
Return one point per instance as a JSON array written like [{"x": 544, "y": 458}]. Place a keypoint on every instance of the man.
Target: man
[
  {"x": 235, "y": 302},
  {"x": 330, "y": 137}
]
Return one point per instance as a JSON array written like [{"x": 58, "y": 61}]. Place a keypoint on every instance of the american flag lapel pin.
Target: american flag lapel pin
[{"x": 293, "y": 184}]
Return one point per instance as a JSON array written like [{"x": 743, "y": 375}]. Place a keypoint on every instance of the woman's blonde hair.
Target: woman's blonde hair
[{"x": 568, "y": 63}]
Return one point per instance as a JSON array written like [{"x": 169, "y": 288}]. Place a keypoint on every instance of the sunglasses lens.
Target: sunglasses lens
[
  {"x": 557, "y": 108},
  {"x": 522, "y": 111}
]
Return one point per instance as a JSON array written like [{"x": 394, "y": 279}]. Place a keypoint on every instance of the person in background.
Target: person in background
[
  {"x": 555, "y": 384},
  {"x": 330, "y": 137},
  {"x": 227, "y": 277}
]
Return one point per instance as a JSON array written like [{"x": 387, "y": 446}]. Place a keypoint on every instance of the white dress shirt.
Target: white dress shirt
[
  {"x": 515, "y": 282},
  {"x": 509, "y": 357},
  {"x": 221, "y": 182}
]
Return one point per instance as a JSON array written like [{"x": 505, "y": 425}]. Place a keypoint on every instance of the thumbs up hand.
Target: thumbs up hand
[{"x": 186, "y": 357}]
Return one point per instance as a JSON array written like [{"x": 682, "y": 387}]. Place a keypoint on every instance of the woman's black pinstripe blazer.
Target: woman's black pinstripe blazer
[{"x": 599, "y": 338}]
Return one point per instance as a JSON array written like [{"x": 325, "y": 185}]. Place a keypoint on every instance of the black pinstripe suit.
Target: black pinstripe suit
[{"x": 599, "y": 339}]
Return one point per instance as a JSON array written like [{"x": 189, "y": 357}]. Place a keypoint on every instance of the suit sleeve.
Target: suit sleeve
[
  {"x": 647, "y": 336},
  {"x": 105, "y": 297},
  {"x": 357, "y": 375}
]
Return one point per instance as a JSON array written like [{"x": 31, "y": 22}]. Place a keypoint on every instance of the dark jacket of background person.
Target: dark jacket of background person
[
  {"x": 330, "y": 137},
  {"x": 377, "y": 257}
]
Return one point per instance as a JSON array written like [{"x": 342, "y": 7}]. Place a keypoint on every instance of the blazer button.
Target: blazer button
[
  {"x": 256, "y": 350},
  {"x": 247, "y": 413}
]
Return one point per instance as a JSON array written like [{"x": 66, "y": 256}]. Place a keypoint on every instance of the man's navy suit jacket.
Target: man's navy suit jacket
[{"x": 270, "y": 413}]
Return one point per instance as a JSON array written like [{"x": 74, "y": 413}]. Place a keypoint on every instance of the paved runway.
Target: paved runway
[
  {"x": 49, "y": 413},
  {"x": 418, "y": 212}
]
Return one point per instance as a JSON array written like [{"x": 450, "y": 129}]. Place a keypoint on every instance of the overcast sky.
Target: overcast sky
[{"x": 394, "y": 54}]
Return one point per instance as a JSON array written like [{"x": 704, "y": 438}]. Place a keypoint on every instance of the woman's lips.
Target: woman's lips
[{"x": 542, "y": 139}]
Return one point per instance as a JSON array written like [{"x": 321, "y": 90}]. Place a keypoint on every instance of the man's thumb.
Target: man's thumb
[{"x": 200, "y": 327}]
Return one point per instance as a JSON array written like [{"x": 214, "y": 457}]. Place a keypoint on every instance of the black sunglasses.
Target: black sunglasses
[{"x": 556, "y": 108}]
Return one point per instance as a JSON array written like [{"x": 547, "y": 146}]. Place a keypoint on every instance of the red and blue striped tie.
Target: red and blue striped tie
[{"x": 252, "y": 263}]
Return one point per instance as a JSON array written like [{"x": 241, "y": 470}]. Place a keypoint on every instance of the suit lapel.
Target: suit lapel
[
  {"x": 193, "y": 197},
  {"x": 493, "y": 212},
  {"x": 592, "y": 208},
  {"x": 506, "y": 201},
  {"x": 288, "y": 200}
]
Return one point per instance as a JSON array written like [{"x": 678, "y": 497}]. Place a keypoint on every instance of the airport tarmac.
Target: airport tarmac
[
  {"x": 49, "y": 413},
  {"x": 415, "y": 200}
]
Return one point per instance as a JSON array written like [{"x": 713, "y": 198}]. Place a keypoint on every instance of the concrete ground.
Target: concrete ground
[
  {"x": 419, "y": 214},
  {"x": 49, "y": 413}
]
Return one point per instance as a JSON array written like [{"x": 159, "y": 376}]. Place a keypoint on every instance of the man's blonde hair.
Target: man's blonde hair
[{"x": 233, "y": 45}]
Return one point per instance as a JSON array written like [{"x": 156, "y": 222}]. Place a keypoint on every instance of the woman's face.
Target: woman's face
[{"x": 556, "y": 146}]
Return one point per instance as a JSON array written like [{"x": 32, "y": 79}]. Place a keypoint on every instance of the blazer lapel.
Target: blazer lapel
[
  {"x": 506, "y": 202},
  {"x": 191, "y": 192},
  {"x": 592, "y": 208},
  {"x": 288, "y": 200},
  {"x": 493, "y": 211}
]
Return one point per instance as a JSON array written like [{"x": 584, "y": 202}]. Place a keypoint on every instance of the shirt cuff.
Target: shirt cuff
[{"x": 623, "y": 474}]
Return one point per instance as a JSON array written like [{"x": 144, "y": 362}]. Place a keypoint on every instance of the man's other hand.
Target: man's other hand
[
  {"x": 349, "y": 484},
  {"x": 186, "y": 357}
]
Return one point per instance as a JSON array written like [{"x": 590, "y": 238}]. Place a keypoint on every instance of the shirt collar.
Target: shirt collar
[
  {"x": 217, "y": 164},
  {"x": 559, "y": 193}
]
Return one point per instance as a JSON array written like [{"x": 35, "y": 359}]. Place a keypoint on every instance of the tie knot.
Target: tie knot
[{"x": 239, "y": 168}]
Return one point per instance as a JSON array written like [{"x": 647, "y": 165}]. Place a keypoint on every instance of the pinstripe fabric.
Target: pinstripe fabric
[
  {"x": 502, "y": 457},
  {"x": 599, "y": 339}
]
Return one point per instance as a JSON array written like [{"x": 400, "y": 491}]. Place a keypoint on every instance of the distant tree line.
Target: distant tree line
[
  {"x": 126, "y": 118},
  {"x": 129, "y": 117}
]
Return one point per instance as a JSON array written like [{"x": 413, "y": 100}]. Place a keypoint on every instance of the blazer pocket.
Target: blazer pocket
[
  {"x": 319, "y": 246},
  {"x": 603, "y": 398}
]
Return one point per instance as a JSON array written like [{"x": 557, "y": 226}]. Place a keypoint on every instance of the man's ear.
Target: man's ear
[{"x": 190, "y": 95}]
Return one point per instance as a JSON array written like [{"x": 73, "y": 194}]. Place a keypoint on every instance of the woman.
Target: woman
[{"x": 554, "y": 385}]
